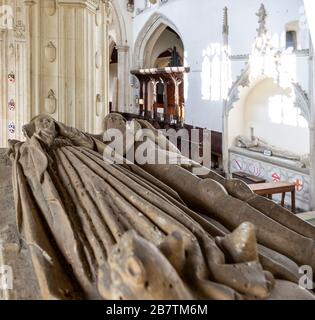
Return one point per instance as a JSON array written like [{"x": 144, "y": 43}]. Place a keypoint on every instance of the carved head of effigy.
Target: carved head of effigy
[
  {"x": 43, "y": 126},
  {"x": 114, "y": 121}
]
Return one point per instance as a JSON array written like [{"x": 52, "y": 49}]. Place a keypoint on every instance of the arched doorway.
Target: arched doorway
[
  {"x": 168, "y": 50},
  {"x": 159, "y": 57},
  {"x": 119, "y": 62}
]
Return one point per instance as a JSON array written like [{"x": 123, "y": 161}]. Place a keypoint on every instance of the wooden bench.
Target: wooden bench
[
  {"x": 249, "y": 179},
  {"x": 270, "y": 188}
]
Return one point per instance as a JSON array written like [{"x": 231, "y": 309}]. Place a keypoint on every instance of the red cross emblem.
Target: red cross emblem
[
  {"x": 299, "y": 185},
  {"x": 276, "y": 177}
]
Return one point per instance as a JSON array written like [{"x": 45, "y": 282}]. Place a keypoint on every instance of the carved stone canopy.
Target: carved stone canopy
[
  {"x": 262, "y": 15},
  {"x": 244, "y": 81}
]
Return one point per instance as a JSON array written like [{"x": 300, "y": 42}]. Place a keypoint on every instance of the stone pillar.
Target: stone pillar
[
  {"x": 3, "y": 88},
  {"x": 312, "y": 126},
  {"x": 123, "y": 78},
  {"x": 13, "y": 73},
  {"x": 141, "y": 97},
  {"x": 146, "y": 97},
  {"x": 107, "y": 13},
  {"x": 69, "y": 60},
  {"x": 225, "y": 142},
  {"x": 29, "y": 29}
]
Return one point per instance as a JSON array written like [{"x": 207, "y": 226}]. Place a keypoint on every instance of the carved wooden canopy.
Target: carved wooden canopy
[{"x": 161, "y": 74}]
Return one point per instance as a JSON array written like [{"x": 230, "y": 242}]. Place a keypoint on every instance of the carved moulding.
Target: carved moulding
[
  {"x": 234, "y": 94},
  {"x": 51, "y": 102},
  {"x": 50, "y": 7},
  {"x": 50, "y": 52},
  {"x": 98, "y": 17},
  {"x": 302, "y": 102},
  {"x": 11, "y": 49},
  {"x": 19, "y": 29}
]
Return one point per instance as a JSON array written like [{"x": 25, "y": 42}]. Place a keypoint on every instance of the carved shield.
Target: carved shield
[
  {"x": 50, "y": 52},
  {"x": 50, "y": 7},
  {"x": 11, "y": 77},
  {"x": 11, "y": 105}
]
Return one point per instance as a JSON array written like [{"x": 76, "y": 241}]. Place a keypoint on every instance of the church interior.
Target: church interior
[{"x": 225, "y": 89}]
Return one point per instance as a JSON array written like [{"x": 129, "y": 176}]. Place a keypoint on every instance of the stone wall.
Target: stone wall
[{"x": 54, "y": 60}]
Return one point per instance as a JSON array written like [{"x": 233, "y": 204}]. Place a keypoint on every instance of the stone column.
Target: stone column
[
  {"x": 13, "y": 91},
  {"x": 146, "y": 97},
  {"x": 29, "y": 29},
  {"x": 107, "y": 13},
  {"x": 3, "y": 88},
  {"x": 225, "y": 115},
  {"x": 68, "y": 60},
  {"x": 312, "y": 126},
  {"x": 33, "y": 55},
  {"x": 141, "y": 97},
  {"x": 123, "y": 78}
]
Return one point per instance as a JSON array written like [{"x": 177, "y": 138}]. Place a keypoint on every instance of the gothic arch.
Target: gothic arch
[
  {"x": 148, "y": 36},
  {"x": 241, "y": 87},
  {"x": 243, "y": 83},
  {"x": 117, "y": 29}
]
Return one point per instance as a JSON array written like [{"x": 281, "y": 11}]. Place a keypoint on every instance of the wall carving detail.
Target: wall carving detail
[
  {"x": 50, "y": 7},
  {"x": 51, "y": 102},
  {"x": 99, "y": 105},
  {"x": 19, "y": 30},
  {"x": 98, "y": 60},
  {"x": 50, "y": 52}
]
